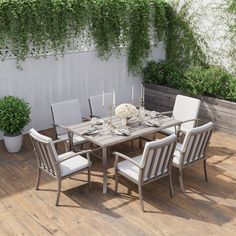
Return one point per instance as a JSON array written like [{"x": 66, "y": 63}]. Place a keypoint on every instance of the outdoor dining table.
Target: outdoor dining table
[{"x": 105, "y": 137}]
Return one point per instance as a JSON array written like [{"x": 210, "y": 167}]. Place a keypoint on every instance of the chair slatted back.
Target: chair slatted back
[
  {"x": 186, "y": 108},
  {"x": 157, "y": 158},
  {"x": 96, "y": 106},
  {"x": 66, "y": 113},
  {"x": 45, "y": 152},
  {"x": 195, "y": 143}
]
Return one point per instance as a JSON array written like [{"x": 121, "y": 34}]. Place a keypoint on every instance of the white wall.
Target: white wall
[
  {"x": 211, "y": 21},
  {"x": 77, "y": 75}
]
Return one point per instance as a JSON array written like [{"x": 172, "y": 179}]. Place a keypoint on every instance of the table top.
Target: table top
[{"x": 106, "y": 137}]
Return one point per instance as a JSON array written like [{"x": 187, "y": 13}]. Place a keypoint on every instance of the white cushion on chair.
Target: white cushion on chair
[
  {"x": 171, "y": 130},
  {"x": 76, "y": 138},
  {"x": 129, "y": 169},
  {"x": 73, "y": 164}
]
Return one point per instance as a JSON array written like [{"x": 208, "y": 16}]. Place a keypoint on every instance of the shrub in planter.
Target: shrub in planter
[
  {"x": 163, "y": 73},
  {"x": 14, "y": 116},
  {"x": 212, "y": 81}
]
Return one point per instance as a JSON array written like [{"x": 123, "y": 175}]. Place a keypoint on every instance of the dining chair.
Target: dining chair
[
  {"x": 58, "y": 166},
  {"x": 67, "y": 113},
  {"x": 153, "y": 164},
  {"x": 185, "y": 109},
  {"x": 193, "y": 149},
  {"x": 96, "y": 107}
]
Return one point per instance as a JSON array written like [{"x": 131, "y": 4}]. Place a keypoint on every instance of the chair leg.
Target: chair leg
[
  {"x": 58, "y": 191},
  {"x": 171, "y": 186},
  {"x": 205, "y": 169},
  {"x": 89, "y": 179},
  {"x": 140, "y": 143},
  {"x": 116, "y": 180},
  {"x": 140, "y": 196},
  {"x": 181, "y": 180},
  {"x": 38, "y": 178}
]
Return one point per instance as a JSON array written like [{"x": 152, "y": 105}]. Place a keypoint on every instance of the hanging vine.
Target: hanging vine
[
  {"x": 49, "y": 25},
  {"x": 182, "y": 43}
]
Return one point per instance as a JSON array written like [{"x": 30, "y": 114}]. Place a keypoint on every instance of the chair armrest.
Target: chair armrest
[
  {"x": 118, "y": 154},
  {"x": 166, "y": 112},
  {"x": 84, "y": 119},
  {"x": 60, "y": 140},
  {"x": 91, "y": 116},
  {"x": 186, "y": 121},
  {"x": 57, "y": 125},
  {"x": 76, "y": 154}
]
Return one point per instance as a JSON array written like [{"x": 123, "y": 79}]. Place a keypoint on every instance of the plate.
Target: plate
[
  {"x": 122, "y": 132},
  {"x": 90, "y": 132},
  {"x": 99, "y": 122},
  {"x": 152, "y": 123}
]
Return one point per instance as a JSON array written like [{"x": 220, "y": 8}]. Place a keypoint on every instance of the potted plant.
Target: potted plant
[{"x": 14, "y": 116}]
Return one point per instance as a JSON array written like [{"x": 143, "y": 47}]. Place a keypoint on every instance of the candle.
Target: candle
[
  {"x": 114, "y": 98},
  {"x": 132, "y": 96},
  {"x": 141, "y": 92},
  {"x": 103, "y": 99}
]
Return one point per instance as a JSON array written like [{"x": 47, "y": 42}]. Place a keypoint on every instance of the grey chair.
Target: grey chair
[
  {"x": 58, "y": 166},
  {"x": 193, "y": 149},
  {"x": 96, "y": 106},
  {"x": 153, "y": 164},
  {"x": 185, "y": 109},
  {"x": 67, "y": 113}
]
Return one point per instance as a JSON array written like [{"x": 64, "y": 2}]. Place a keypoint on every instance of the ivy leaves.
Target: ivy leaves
[{"x": 50, "y": 25}]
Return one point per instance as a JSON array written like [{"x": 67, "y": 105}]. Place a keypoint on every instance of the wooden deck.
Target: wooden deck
[{"x": 204, "y": 209}]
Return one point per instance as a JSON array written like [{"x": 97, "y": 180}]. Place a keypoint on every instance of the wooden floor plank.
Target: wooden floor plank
[{"x": 206, "y": 208}]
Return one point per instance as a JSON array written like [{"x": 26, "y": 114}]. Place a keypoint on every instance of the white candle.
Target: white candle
[
  {"x": 114, "y": 98},
  {"x": 141, "y": 92},
  {"x": 132, "y": 96},
  {"x": 103, "y": 99}
]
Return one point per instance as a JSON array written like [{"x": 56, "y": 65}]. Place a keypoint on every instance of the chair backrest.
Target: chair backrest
[
  {"x": 45, "y": 152},
  {"x": 195, "y": 143},
  {"x": 186, "y": 108},
  {"x": 66, "y": 113},
  {"x": 157, "y": 158},
  {"x": 95, "y": 104}
]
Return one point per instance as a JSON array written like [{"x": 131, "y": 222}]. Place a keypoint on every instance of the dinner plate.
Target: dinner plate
[
  {"x": 90, "y": 132},
  {"x": 152, "y": 123},
  {"x": 122, "y": 132}
]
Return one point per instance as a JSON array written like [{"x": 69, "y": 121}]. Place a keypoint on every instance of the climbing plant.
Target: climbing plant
[
  {"x": 50, "y": 26},
  {"x": 182, "y": 43}
]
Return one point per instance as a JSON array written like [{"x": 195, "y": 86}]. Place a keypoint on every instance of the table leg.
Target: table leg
[{"x": 104, "y": 165}]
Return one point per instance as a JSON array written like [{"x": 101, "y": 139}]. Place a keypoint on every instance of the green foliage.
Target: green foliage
[
  {"x": 163, "y": 73},
  {"x": 212, "y": 81},
  {"x": 14, "y": 115},
  {"x": 49, "y": 25},
  {"x": 182, "y": 43}
]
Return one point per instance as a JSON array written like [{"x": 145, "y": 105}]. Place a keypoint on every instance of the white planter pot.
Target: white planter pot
[{"x": 13, "y": 143}]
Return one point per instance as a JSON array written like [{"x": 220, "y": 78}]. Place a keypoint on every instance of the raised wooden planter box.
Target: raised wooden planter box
[{"x": 221, "y": 112}]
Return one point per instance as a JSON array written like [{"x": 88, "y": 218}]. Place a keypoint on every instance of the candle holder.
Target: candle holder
[{"x": 110, "y": 111}]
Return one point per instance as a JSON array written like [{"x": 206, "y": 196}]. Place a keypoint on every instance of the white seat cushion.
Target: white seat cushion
[
  {"x": 76, "y": 138},
  {"x": 73, "y": 164},
  {"x": 171, "y": 130},
  {"x": 129, "y": 169}
]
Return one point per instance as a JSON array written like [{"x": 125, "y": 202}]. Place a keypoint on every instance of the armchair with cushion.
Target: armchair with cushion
[
  {"x": 58, "y": 166},
  {"x": 186, "y": 110},
  {"x": 153, "y": 164},
  {"x": 67, "y": 113},
  {"x": 193, "y": 149}
]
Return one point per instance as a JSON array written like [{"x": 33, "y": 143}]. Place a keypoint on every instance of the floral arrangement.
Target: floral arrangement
[{"x": 126, "y": 110}]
